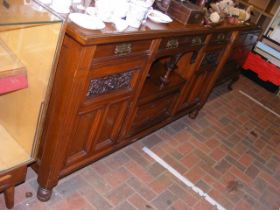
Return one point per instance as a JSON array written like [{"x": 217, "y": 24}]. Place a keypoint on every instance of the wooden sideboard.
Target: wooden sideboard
[{"x": 113, "y": 88}]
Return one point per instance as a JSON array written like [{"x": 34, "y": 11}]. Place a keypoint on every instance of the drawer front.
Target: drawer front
[
  {"x": 182, "y": 42},
  {"x": 122, "y": 49},
  {"x": 220, "y": 38},
  {"x": 149, "y": 114}
]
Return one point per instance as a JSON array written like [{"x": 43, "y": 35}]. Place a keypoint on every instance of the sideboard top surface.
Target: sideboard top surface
[{"x": 149, "y": 30}]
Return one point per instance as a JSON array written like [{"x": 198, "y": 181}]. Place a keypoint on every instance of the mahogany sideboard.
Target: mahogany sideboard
[{"x": 112, "y": 88}]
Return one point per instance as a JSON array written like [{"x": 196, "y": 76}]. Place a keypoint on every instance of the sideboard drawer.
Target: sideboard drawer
[
  {"x": 149, "y": 114},
  {"x": 182, "y": 42},
  {"x": 122, "y": 49},
  {"x": 220, "y": 38}
]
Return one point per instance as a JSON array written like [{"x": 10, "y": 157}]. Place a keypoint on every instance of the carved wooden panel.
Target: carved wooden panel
[
  {"x": 96, "y": 130},
  {"x": 211, "y": 58},
  {"x": 103, "y": 85}
]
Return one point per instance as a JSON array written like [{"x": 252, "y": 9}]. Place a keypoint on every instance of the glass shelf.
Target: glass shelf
[{"x": 25, "y": 12}]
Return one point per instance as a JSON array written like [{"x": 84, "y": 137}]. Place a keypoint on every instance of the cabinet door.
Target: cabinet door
[
  {"x": 243, "y": 44},
  {"x": 231, "y": 67},
  {"x": 201, "y": 78},
  {"x": 108, "y": 93},
  {"x": 199, "y": 81},
  {"x": 96, "y": 130}
]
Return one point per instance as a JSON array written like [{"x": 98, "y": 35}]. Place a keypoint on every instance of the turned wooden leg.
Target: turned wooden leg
[
  {"x": 194, "y": 114},
  {"x": 44, "y": 194},
  {"x": 9, "y": 197},
  {"x": 171, "y": 66}
]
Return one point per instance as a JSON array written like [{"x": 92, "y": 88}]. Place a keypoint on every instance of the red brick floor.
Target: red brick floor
[{"x": 231, "y": 151}]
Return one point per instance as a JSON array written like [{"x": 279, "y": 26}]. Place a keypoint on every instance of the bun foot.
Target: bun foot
[{"x": 44, "y": 194}]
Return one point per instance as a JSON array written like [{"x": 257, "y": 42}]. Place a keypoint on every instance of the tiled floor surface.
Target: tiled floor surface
[{"x": 231, "y": 151}]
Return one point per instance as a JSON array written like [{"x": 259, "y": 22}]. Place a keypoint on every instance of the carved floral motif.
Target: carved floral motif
[
  {"x": 211, "y": 58},
  {"x": 109, "y": 83}
]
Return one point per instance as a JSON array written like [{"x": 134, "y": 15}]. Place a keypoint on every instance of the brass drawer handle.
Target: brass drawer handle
[
  {"x": 196, "y": 40},
  {"x": 221, "y": 37},
  {"x": 197, "y": 16},
  {"x": 123, "y": 49},
  {"x": 173, "y": 43}
]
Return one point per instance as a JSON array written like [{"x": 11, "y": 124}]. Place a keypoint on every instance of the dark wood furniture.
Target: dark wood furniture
[
  {"x": 111, "y": 89},
  {"x": 8, "y": 181}
]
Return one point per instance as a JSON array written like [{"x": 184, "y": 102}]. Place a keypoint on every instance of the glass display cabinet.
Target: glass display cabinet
[{"x": 29, "y": 41}]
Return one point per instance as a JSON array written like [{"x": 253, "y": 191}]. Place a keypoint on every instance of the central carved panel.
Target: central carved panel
[
  {"x": 109, "y": 83},
  {"x": 211, "y": 58}
]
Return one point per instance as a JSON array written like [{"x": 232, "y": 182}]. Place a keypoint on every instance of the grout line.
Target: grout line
[
  {"x": 259, "y": 103},
  {"x": 183, "y": 179}
]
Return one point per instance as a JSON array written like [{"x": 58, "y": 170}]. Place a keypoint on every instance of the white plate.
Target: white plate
[
  {"x": 86, "y": 21},
  {"x": 159, "y": 17}
]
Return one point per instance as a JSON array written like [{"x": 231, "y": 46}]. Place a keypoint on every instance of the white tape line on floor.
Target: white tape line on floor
[
  {"x": 259, "y": 103},
  {"x": 183, "y": 179}
]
